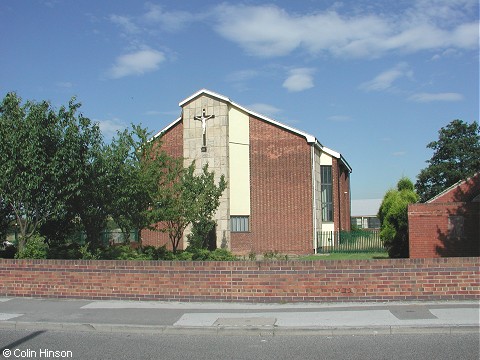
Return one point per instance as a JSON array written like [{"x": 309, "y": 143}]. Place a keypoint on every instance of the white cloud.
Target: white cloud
[
  {"x": 268, "y": 30},
  {"x": 299, "y": 79},
  {"x": 136, "y": 63},
  {"x": 429, "y": 97},
  {"x": 125, "y": 23},
  {"x": 265, "y": 109},
  {"x": 169, "y": 20},
  {"x": 385, "y": 79},
  {"x": 110, "y": 127}
]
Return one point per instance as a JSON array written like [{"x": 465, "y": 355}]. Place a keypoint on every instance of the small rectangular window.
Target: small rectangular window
[{"x": 239, "y": 223}]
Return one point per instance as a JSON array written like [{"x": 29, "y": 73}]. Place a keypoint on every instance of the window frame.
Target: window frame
[
  {"x": 326, "y": 192},
  {"x": 240, "y": 223}
]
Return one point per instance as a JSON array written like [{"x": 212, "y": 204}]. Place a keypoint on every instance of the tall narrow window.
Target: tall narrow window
[{"x": 326, "y": 192}]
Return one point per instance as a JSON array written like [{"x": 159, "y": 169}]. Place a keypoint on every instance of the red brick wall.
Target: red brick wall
[
  {"x": 280, "y": 193},
  {"x": 276, "y": 281},
  {"x": 341, "y": 195},
  {"x": 172, "y": 144},
  {"x": 431, "y": 234},
  {"x": 172, "y": 140},
  {"x": 464, "y": 192}
]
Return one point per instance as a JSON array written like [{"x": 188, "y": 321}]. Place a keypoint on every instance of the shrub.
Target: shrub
[
  {"x": 222, "y": 255},
  {"x": 35, "y": 248},
  {"x": 64, "y": 251},
  {"x": 86, "y": 254},
  {"x": 121, "y": 252}
]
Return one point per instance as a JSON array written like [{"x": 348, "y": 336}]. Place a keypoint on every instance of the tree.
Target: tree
[
  {"x": 393, "y": 215},
  {"x": 48, "y": 158},
  {"x": 29, "y": 142},
  {"x": 136, "y": 168},
  {"x": 456, "y": 157},
  {"x": 5, "y": 219},
  {"x": 185, "y": 198}
]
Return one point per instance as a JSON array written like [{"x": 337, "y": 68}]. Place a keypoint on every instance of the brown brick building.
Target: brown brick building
[
  {"x": 448, "y": 224},
  {"x": 284, "y": 186}
]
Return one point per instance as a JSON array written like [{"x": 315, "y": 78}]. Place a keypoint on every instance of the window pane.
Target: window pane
[
  {"x": 239, "y": 223},
  {"x": 326, "y": 193}
]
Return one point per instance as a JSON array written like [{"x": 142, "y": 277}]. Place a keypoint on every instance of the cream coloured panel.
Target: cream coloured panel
[
  {"x": 239, "y": 161},
  {"x": 325, "y": 159},
  {"x": 238, "y": 130},
  {"x": 239, "y": 180}
]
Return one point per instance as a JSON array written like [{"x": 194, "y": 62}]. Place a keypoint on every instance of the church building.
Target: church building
[{"x": 283, "y": 185}]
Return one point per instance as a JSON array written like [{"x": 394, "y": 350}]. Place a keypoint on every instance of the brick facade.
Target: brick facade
[
  {"x": 276, "y": 281},
  {"x": 341, "y": 196},
  {"x": 281, "y": 193},
  {"x": 284, "y": 197},
  {"x": 447, "y": 225}
]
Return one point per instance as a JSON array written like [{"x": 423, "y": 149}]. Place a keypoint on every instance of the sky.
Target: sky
[{"x": 374, "y": 80}]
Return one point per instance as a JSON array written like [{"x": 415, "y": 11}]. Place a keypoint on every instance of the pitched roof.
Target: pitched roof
[
  {"x": 460, "y": 191},
  {"x": 366, "y": 207},
  {"x": 309, "y": 138}
]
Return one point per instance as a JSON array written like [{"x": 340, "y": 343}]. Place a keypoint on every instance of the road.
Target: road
[{"x": 26, "y": 344}]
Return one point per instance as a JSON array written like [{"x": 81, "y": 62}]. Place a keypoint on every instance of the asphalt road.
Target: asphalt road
[{"x": 15, "y": 344}]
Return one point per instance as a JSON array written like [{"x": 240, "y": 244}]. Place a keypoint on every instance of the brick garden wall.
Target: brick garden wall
[{"x": 276, "y": 281}]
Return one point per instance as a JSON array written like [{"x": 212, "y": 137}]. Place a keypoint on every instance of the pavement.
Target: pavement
[{"x": 447, "y": 317}]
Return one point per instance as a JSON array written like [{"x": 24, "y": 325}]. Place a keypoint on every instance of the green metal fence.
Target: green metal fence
[
  {"x": 358, "y": 241},
  {"x": 108, "y": 237}
]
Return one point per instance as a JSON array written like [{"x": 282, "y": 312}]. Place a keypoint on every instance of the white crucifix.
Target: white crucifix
[{"x": 204, "y": 119}]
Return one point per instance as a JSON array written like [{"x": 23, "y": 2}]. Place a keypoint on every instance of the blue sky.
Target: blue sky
[{"x": 373, "y": 80}]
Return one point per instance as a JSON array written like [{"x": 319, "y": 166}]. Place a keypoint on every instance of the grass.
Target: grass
[{"x": 347, "y": 256}]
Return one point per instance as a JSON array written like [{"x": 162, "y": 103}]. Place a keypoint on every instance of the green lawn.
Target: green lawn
[{"x": 347, "y": 256}]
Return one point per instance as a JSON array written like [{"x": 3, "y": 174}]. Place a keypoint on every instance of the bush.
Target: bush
[
  {"x": 35, "y": 248},
  {"x": 121, "y": 252},
  {"x": 64, "y": 251}
]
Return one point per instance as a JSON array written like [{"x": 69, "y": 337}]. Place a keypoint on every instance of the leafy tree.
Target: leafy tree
[
  {"x": 456, "y": 157},
  {"x": 185, "y": 198},
  {"x": 49, "y": 159},
  {"x": 30, "y": 137},
  {"x": 5, "y": 219},
  {"x": 393, "y": 215},
  {"x": 201, "y": 235},
  {"x": 135, "y": 171}
]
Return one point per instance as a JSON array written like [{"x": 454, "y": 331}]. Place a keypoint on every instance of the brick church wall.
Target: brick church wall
[
  {"x": 341, "y": 195},
  {"x": 281, "y": 193}
]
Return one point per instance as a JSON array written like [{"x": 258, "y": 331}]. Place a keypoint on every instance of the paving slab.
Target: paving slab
[{"x": 239, "y": 318}]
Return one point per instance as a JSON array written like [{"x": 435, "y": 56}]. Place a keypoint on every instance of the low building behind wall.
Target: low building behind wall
[{"x": 447, "y": 225}]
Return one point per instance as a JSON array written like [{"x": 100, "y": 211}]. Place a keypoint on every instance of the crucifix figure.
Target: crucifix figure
[{"x": 204, "y": 119}]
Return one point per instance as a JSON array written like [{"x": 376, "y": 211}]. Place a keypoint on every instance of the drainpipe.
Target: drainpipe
[{"x": 314, "y": 188}]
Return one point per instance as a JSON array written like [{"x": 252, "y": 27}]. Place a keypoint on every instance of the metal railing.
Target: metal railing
[
  {"x": 109, "y": 237},
  {"x": 358, "y": 241}
]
